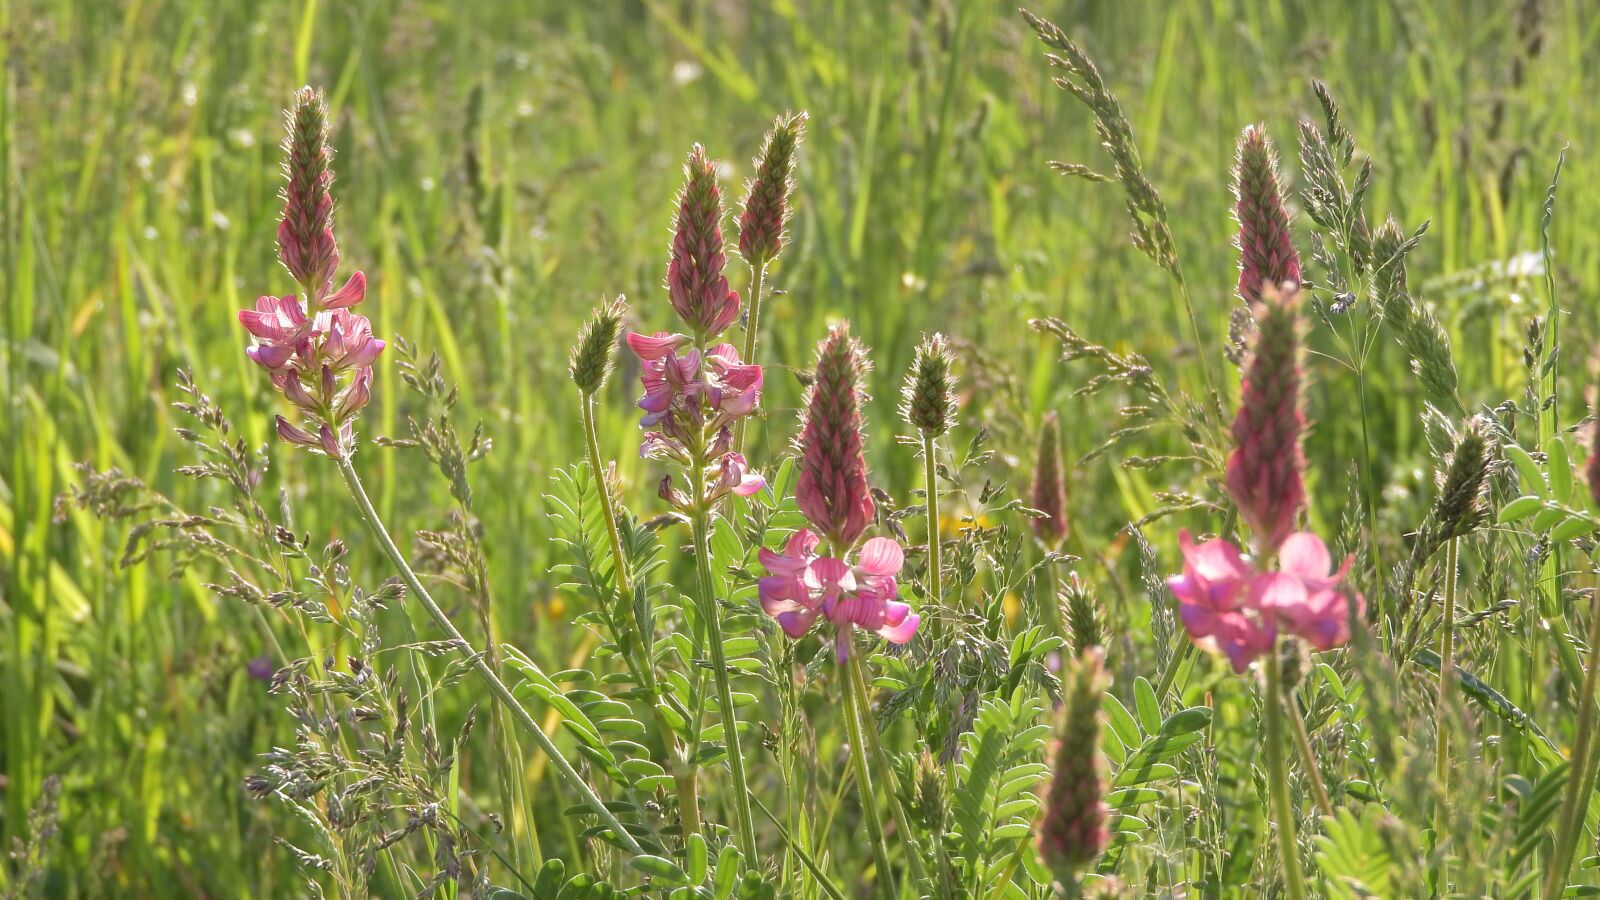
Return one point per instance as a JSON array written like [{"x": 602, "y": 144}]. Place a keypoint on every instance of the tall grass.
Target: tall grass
[{"x": 502, "y": 168}]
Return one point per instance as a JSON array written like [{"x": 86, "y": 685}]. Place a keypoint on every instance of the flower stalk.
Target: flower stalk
[
  {"x": 497, "y": 688},
  {"x": 855, "y": 707},
  {"x": 1278, "y": 779}
]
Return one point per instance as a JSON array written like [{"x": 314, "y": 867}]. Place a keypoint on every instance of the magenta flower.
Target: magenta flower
[
  {"x": 279, "y": 325},
  {"x": 1213, "y": 593},
  {"x": 832, "y": 489},
  {"x": 1227, "y": 604},
  {"x": 691, "y": 399},
  {"x": 695, "y": 280},
  {"x": 734, "y": 476},
  {"x": 800, "y": 586},
  {"x": 349, "y": 343},
  {"x": 1304, "y": 593}
]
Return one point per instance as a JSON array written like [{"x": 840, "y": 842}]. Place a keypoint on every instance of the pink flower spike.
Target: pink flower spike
[
  {"x": 654, "y": 346},
  {"x": 353, "y": 292}
]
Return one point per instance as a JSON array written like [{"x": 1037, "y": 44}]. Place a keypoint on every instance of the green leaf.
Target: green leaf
[
  {"x": 659, "y": 868},
  {"x": 1560, "y": 469},
  {"x": 1520, "y": 509},
  {"x": 1144, "y": 699},
  {"x": 1532, "y": 477}
]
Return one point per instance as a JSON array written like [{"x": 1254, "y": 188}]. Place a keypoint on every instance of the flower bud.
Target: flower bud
[
  {"x": 593, "y": 357},
  {"x": 928, "y": 399},
  {"x": 1266, "y": 247},
  {"x": 766, "y": 204},
  {"x": 831, "y": 489},
  {"x": 1049, "y": 493}
]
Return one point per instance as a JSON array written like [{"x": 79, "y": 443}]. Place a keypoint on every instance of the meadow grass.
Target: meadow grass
[{"x": 503, "y": 167}]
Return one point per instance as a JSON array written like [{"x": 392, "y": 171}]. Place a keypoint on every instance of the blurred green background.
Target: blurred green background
[{"x": 503, "y": 166}]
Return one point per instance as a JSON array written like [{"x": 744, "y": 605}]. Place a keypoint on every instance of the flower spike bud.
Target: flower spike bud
[
  {"x": 594, "y": 356},
  {"x": 1263, "y": 473},
  {"x": 305, "y": 236},
  {"x": 1266, "y": 246},
  {"x": 766, "y": 203},
  {"x": 928, "y": 399},
  {"x": 1049, "y": 487},
  {"x": 832, "y": 488},
  {"x": 696, "y": 282},
  {"x": 1072, "y": 830}
]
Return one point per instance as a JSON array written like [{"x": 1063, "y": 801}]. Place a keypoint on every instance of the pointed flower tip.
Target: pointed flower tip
[
  {"x": 832, "y": 489},
  {"x": 1266, "y": 246}
]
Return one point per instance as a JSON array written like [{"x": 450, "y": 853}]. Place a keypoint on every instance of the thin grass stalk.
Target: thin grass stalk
[
  {"x": 497, "y": 687},
  {"x": 930, "y": 478},
  {"x": 1302, "y": 740},
  {"x": 711, "y": 613},
  {"x": 855, "y": 704},
  {"x": 1576, "y": 804},
  {"x": 684, "y": 778},
  {"x": 880, "y": 757},
  {"x": 1447, "y": 676},
  {"x": 1278, "y": 779},
  {"x": 752, "y": 331}
]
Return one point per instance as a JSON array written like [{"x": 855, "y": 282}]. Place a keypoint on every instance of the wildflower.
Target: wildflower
[
  {"x": 1049, "y": 488},
  {"x": 1225, "y": 602},
  {"x": 801, "y": 586},
  {"x": 928, "y": 399},
  {"x": 690, "y": 402},
  {"x": 1073, "y": 828},
  {"x": 305, "y": 236},
  {"x": 766, "y": 203},
  {"x": 831, "y": 489},
  {"x": 1263, "y": 472},
  {"x": 695, "y": 280},
  {"x": 1266, "y": 247},
  {"x": 318, "y": 351}
]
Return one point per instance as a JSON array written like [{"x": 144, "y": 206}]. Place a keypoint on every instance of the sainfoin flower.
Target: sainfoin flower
[
  {"x": 1266, "y": 247},
  {"x": 801, "y": 586},
  {"x": 831, "y": 489},
  {"x": 319, "y": 353},
  {"x": 1263, "y": 472},
  {"x": 1228, "y": 604},
  {"x": 695, "y": 279}
]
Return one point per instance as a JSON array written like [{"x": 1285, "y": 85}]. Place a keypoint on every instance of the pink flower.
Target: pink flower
[
  {"x": 1212, "y": 594},
  {"x": 695, "y": 280},
  {"x": 800, "y": 586},
  {"x": 348, "y": 341},
  {"x": 734, "y": 476},
  {"x": 353, "y": 292},
  {"x": 688, "y": 397},
  {"x": 1305, "y": 594},
  {"x": 832, "y": 489},
  {"x": 279, "y": 326},
  {"x": 1226, "y": 603}
]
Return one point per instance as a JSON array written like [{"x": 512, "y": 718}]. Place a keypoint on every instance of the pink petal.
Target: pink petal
[
  {"x": 1304, "y": 554},
  {"x": 881, "y": 556},
  {"x": 656, "y": 345},
  {"x": 901, "y": 633},
  {"x": 353, "y": 292}
]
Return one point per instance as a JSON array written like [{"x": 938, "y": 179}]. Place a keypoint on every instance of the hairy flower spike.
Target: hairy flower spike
[
  {"x": 832, "y": 487},
  {"x": 928, "y": 399},
  {"x": 594, "y": 356},
  {"x": 695, "y": 279},
  {"x": 1459, "y": 509},
  {"x": 766, "y": 204},
  {"x": 1049, "y": 494},
  {"x": 305, "y": 236},
  {"x": 1073, "y": 828},
  {"x": 1263, "y": 473},
  {"x": 1266, "y": 247},
  {"x": 1078, "y": 611}
]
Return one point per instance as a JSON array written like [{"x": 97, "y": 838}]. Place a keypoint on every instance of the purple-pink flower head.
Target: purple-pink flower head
[
  {"x": 696, "y": 283},
  {"x": 1266, "y": 247},
  {"x": 691, "y": 398},
  {"x": 1227, "y": 604},
  {"x": 305, "y": 236},
  {"x": 832, "y": 488},
  {"x": 1263, "y": 472},
  {"x": 801, "y": 586}
]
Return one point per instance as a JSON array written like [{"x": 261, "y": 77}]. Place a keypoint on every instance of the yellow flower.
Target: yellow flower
[
  {"x": 1013, "y": 608},
  {"x": 556, "y": 607}
]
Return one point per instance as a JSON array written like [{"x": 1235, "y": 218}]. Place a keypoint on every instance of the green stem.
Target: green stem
[
  {"x": 1278, "y": 779},
  {"x": 930, "y": 478},
  {"x": 1447, "y": 669},
  {"x": 752, "y": 331},
  {"x": 854, "y": 704},
  {"x": 496, "y": 686},
  {"x": 858, "y": 684},
  {"x": 1302, "y": 739},
  {"x": 710, "y": 612},
  {"x": 683, "y": 775},
  {"x": 1576, "y": 803}
]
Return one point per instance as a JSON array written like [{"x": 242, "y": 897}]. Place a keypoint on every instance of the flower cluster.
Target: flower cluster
[
  {"x": 318, "y": 351},
  {"x": 693, "y": 394},
  {"x": 1266, "y": 248},
  {"x": 832, "y": 492},
  {"x": 1230, "y": 604},
  {"x": 800, "y": 586}
]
